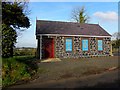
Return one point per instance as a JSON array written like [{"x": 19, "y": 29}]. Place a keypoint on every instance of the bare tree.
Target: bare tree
[
  {"x": 116, "y": 35},
  {"x": 79, "y": 15}
]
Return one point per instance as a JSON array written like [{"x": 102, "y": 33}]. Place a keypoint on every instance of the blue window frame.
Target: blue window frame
[
  {"x": 100, "y": 45},
  {"x": 68, "y": 44},
  {"x": 85, "y": 45}
]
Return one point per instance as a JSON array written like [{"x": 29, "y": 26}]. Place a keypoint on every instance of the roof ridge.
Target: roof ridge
[{"x": 66, "y": 22}]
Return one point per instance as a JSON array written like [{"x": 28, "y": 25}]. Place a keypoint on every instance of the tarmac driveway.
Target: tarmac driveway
[
  {"x": 107, "y": 79},
  {"x": 84, "y": 72}
]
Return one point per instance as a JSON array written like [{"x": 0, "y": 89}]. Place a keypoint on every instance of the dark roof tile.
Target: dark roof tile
[{"x": 69, "y": 28}]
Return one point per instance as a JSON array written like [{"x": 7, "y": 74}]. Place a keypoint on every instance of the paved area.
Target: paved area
[
  {"x": 107, "y": 79},
  {"x": 51, "y": 60},
  {"x": 75, "y": 73}
]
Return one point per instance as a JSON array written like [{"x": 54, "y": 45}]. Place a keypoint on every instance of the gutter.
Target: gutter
[{"x": 70, "y": 35}]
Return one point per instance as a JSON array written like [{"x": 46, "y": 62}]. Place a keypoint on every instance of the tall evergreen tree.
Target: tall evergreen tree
[{"x": 13, "y": 18}]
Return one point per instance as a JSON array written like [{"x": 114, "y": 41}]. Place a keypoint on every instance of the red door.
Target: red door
[
  {"x": 49, "y": 48},
  {"x": 52, "y": 53}
]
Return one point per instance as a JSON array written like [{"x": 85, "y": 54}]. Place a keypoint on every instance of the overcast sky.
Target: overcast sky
[{"x": 104, "y": 13}]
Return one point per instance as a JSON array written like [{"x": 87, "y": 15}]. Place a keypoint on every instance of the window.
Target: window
[
  {"x": 68, "y": 44},
  {"x": 100, "y": 45},
  {"x": 85, "y": 45}
]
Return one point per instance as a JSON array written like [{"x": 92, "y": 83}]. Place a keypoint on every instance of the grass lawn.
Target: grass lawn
[{"x": 67, "y": 68}]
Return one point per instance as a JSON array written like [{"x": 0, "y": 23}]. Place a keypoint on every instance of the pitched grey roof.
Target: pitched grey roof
[{"x": 69, "y": 28}]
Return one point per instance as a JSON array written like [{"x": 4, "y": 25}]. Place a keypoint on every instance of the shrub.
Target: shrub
[{"x": 16, "y": 69}]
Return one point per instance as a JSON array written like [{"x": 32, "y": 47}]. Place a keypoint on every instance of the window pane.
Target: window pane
[
  {"x": 85, "y": 45},
  {"x": 100, "y": 45},
  {"x": 68, "y": 44}
]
